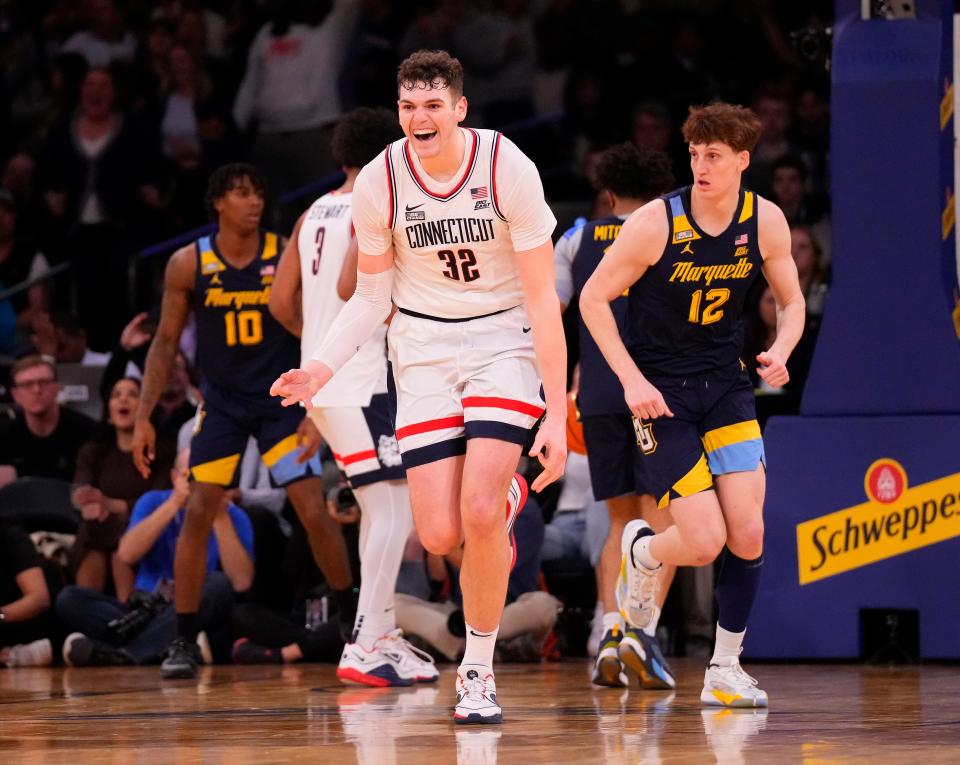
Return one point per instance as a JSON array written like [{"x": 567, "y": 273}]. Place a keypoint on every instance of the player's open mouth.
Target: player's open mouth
[
  {"x": 703, "y": 184},
  {"x": 424, "y": 135}
]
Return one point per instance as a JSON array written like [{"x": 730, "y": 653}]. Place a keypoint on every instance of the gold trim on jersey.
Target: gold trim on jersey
[
  {"x": 218, "y": 472},
  {"x": 747, "y": 212},
  {"x": 270, "y": 246}
]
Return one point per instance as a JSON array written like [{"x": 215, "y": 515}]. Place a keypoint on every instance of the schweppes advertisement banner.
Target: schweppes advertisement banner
[{"x": 896, "y": 519}]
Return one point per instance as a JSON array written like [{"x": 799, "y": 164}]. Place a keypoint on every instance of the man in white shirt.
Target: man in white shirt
[{"x": 470, "y": 268}]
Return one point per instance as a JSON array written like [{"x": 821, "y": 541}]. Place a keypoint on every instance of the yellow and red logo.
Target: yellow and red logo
[{"x": 897, "y": 518}]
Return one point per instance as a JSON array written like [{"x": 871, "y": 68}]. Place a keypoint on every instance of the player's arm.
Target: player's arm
[
  {"x": 536, "y": 270},
  {"x": 347, "y": 281},
  {"x": 286, "y": 304},
  {"x": 780, "y": 271},
  {"x": 639, "y": 245},
  {"x": 563, "y": 253},
  {"x": 178, "y": 283}
]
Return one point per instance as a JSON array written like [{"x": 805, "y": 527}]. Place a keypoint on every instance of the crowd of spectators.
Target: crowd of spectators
[{"x": 113, "y": 114}]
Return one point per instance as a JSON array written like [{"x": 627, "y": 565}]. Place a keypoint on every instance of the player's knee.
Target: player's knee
[
  {"x": 482, "y": 516},
  {"x": 706, "y": 546},
  {"x": 439, "y": 541},
  {"x": 202, "y": 506},
  {"x": 746, "y": 541}
]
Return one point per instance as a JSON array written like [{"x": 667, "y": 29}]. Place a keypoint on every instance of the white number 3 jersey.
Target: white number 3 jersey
[
  {"x": 455, "y": 243},
  {"x": 325, "y": 236}
]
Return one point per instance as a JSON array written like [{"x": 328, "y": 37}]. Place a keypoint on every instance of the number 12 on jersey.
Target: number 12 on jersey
[{"x": 711, "y": 309}]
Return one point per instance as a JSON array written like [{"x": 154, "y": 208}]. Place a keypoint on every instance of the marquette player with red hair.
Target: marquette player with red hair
[{"x": 689, "y": 259}]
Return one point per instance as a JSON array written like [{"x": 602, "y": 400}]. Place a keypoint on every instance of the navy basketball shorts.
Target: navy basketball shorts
[
  {"x": 714, "y": 431},
  {"x": 362, "y": 440},
  {"x": 617, "y": 466},
  {"x": 221, "y": 433}
]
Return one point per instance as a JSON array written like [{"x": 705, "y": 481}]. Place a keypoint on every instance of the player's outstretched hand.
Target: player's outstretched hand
[
  {"x": 301, "y": 385},
  {"x": 144, "y": 446},
  {"x": 550, "y": 447},
  {"x": 772, "y": 369},
  {"x": 308, "y": 439},
  {"x": 644, "y": 400}
]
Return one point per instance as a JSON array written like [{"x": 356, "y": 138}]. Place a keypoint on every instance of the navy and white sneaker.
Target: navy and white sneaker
[
  {"x": 608, "y": 667},
  {"x": 641, "y": 654},
  {"x": 476, "y": 696},
  {"x": 380, "y": 667}
]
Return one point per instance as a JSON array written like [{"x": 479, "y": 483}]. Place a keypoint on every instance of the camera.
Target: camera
[
  {"x": 812, "y": 44},
  {"x": 143, "y": 607}
]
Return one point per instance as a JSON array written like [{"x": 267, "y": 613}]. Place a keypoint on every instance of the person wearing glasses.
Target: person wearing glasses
[{"x": 43, "y": 438}]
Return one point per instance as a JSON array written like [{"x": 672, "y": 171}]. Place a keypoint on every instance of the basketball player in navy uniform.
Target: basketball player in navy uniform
[
  {"x": 629, "y": 179},
  {"x": 689, "y": 259},
  {"x": 225, "y": 278}
]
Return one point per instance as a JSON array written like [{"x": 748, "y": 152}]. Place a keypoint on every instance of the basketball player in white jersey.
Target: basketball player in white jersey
[
  {"x": 352, "y": 412},
  {"x": 452, "y": 227}
]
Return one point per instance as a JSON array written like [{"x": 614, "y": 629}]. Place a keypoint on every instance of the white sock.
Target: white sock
[
  {"x": 651, "y": 628},
  {"x": 386, "y": 520},
  {"x": 641, "y": 552},
  {"x": 479, "y": 649},
  {"x": 612, "y": 619},
  {"x": 726, "y": 651}
]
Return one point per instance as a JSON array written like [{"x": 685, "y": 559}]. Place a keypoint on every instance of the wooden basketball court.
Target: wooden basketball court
[{"x": 819, "y": 714}]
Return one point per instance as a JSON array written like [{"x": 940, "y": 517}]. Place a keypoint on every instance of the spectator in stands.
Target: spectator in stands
[
  {"x": 105, "y": 39},
  {"x": 24, "y": 602},
  {"x": 773, "y": 108},
  {"x": 44, "y": 437},
  {"x": 289, "y": 97},
  {"x": 101, "y": 179},
  {"x": 498, "y": 49},
  {"x": 62, "y": 337},
  {"x": 788, "y": 189},
  {"x": 808, "y": 256},
  {"x": 107, "y": 486},
  {"x": 20, "y": 261},
  {"x": 147, "y": 624},
  {"x": 198, "y": 134}
]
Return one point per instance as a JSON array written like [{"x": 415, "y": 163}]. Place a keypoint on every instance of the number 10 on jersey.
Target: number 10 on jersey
[{"x": 243, "y": 326}]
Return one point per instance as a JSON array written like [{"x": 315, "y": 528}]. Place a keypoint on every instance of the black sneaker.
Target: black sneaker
[
  {"x": 81, "y": 651},
  {"x": 247, "y": 652},
  {"x": 183, "y": 659}
]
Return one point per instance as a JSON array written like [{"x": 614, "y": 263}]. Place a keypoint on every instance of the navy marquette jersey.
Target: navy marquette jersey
[
  {"x": 242, "y": 349},
  {"x": 600, "y": 390},
  {"x": 685, "y": 312}
]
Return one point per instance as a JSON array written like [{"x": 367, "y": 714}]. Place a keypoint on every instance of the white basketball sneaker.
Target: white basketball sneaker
[
  {"x": 636, "y": 584},
  {"x": 415, "y": 665},
  {"x": 731, "y": 686},
  {"x": 476, "y": 696}
]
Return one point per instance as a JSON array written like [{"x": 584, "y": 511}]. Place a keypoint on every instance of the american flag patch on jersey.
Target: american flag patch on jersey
[
  {"x": 742, "y": 239},
  {"x": 478, "y": 193}
]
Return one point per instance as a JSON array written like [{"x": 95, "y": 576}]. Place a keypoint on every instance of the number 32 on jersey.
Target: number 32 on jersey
[{"x": 460, "y": 265}]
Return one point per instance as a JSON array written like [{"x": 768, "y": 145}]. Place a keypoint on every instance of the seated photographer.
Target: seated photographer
[
  {"x": 25, "y": 626},
  {"x": 108, "y": 632},
  {"x": 311, "y": 632}
]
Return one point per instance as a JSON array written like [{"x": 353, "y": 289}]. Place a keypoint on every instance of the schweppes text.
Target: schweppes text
[
  {"x": 686, "y": 271},
  {"x": 218, "y": 297},
  {"x": 449, "y": 231},
  {"x": 857, "y": 536}
]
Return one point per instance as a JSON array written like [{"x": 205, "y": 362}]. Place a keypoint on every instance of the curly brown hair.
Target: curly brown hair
[
  {"x": 362, "y": 133},
  {"x": 431, "y": 69},
  {"x": 734, "y": 125}
]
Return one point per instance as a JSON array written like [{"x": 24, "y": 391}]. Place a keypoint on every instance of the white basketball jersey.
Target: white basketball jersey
[
  {"x": 325, "y": 235},
  {"x": 454, "y": 254}
]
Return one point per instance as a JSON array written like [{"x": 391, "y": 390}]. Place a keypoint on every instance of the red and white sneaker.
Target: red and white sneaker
[
  {"x": 476, "y": 696},
  {"x": 391, "y": 662},
  {"x": 516, "y": 499}
]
